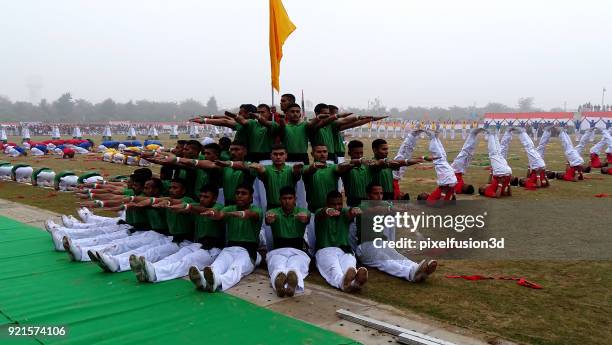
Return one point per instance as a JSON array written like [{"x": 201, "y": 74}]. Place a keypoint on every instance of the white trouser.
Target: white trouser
[
  {"x": 446, "y": 174},
  {"x": 76, "y": 234},
  {"x": 463, "y": 159},
  {"x": 153, "y": 252},
  {"x": 119, "y": 245},
  {"x": 221, "y": 197},
  {"x": 535, "y": 161},
  {"x": 300, "y": 189},
  {"x": 544, "y": 139},
  {"x": 332, "y": 263},
  {"x": 45, "y": 178},
  {"x": 107, "y": 223},
  {"x": 283, "y": 260},
  {"x": 177, "y": 265},
  {"x": 405, "y": 152},
  {"x": 23, "y": 174},
  {"x": 571, "y": 154},
  {"x": 387, "y": 260},
  {"x": 231, "y": 265},
  {"x": 596, "y": 149},
  {"x": 499, "y": 165},
  {"x": 259, "y": 195},
  {"x": 340, "y": 185},
  {"x": 310, "y": 236}
]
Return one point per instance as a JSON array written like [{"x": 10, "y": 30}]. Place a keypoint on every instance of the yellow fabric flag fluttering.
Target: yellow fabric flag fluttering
[{"x": 280, "y": 28}]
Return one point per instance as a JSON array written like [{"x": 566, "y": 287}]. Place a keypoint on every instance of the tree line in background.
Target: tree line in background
[{"x": 68, "y": 109}]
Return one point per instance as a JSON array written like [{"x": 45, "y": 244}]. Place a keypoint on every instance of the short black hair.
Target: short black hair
[
  {"x": 181, "y": 142},
  {"x": 318, "y": 144},
  {"x": 210, "y": 188},
  {"x": 290, "y": 96},
  {"x": 334, "y": 194},
  {"x": 371, "y": 186},
  {"x": 166, "y": 172},
  {"x": 246, "y": 186},
  {"x": 239, "y": 143},
  {"x": 332, "y": 107},
  {"x": 294, "y": 105},
  {"x": 354, "y": 144},
  {"x": 213, "y": 146},
  {"x": 225, "y": 143},
  {"x": 378, "y": 143},
  {"x": 195, "y": 144},
  {"x": 287, "y": 190},
  {"x": 180, "y": 180},
  {"x": 319, "y": 108},
  {"x": 157, "y": 183},
  {"x": 263, "y": 105},
  {"x": 249, "y": 108},
  {"x": 278, "y": 147},
  {"x": 143, "y": 173}
]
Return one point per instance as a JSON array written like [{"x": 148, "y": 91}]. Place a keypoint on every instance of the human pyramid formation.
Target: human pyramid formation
[{"x": 212, "y": 209}]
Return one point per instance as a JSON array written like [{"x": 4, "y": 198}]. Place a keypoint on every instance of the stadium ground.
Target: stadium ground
[{"x": 573, "y": 308}]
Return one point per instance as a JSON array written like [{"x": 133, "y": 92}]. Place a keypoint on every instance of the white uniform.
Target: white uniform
[
  {"x": 445, "y": 174},
  {"x": 283, "y": 260},
  {"x": 571, "y": 153},
  {"x": 465, "y": 156},
  {"x": 332, "y": 263},
  {"x": 177, "y": 265},
  {"x": 499, "y": 165},
  {"x": 24, "y": 174},
  {"x": 535, "y": 160},
  {"x": 119, "y": 245},
  {"x": 231, "y": 265},
  {"x": 405, "y": 152},
  {"x": 153, "y": 252},
  {"x": 505, "y": 143},
  {"x": 544, "y": 139}
]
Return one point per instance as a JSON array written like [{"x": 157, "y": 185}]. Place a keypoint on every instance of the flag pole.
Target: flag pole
[{"x": 272, "y": 91}]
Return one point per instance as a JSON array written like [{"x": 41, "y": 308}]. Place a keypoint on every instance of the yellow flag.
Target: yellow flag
[{"x": 280, "y": 28}]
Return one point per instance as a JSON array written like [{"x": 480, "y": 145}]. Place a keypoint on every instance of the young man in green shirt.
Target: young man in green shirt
[
  {"x": 320, "y": 179},
  {"x": 287, "y": 262},
  {"x": 385, "y": 259},
  {"x": 356, "y": 179},
  {"x": 274, "y": 177},
  {"x": 239, "y": 258},
  {"x": 210, "y": 235},
  {"x": 335, "y": 260}
]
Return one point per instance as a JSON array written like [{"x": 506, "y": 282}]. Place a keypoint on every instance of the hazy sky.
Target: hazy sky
[{"x": 407, "y": 52}]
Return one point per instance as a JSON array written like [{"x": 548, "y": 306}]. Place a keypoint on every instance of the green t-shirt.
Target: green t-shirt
[
  {"x": 225, "y": 156},
  {"x": 355, "y": 182},
  {"x": 325, "y": 135},
  {"x": 338, "y": 141},
  {"x": 202, "y": 178},
  {"x": 274, "y": 180},
  {"x": 319, "y": 184},
  {"x": 128, "y": 192},
  {"x": 206, "y": 227},
  {"x": 165, "y": 187},
  {"x": 287, "y": 226},
  {"x": 136, "y": 217},
  {"x": 295, "y": 138},
  {"x": 180, "y": 224},
  {"x": 260, "y": 137},
  {"x": 232, "y": 178},
  {"x": 157, "y": 219},
  {"x": 333, "y": 231},
  {"x": 383, "y": 177},
  {"x": 241, "y": 134},
  {"x": 243, "y": 230}
]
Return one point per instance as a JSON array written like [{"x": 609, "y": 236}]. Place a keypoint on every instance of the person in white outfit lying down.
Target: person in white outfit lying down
[{"x": 385, "y": 259}]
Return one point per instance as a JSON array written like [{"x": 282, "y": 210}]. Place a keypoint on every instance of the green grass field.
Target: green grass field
[{"x": 573, "y": 308}]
